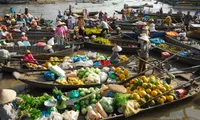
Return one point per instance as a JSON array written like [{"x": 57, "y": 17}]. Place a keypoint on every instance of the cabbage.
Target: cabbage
[{"x": 108, "y": 104}]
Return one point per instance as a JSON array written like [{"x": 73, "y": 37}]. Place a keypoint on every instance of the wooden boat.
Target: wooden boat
[
  {"x": 192, "y": 60},
  {"x": 192, "y": 91},
  {"x": 126, "y": 46},
  {"x": 134, "y": 6},
  {"x": 13, "y": 1},
  {"x": 185, "y": 44},
  {"x": 194, "y": 34},
  {"x": 130, "y": 26},
  {"x": 36, "y": 79},
  {"x": 34, "y": 35},
  {"x": 89, "y": 13},
  {"x": 186, "y": 7}
]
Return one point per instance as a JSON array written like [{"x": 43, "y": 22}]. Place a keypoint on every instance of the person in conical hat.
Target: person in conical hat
[
  {"x": 60, "y": 33},
  {"x": 7, "y": 111},
  {"x": 115, "y": 58},
  {"x": 49, "y": 48},
  {"x": 145, "y": 46},
  {"x": 28, "y": 57}
]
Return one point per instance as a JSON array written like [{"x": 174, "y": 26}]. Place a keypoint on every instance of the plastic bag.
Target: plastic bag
[
  {"x": 84, "y": 63},
  {"x": 70, "y": 115},
  {"x": 97, "y": 63},
  {"x": 26, "y": 43},
  {"x": 55, "y": 116},
  {"x": 107, "y": 104},
  {"x": 51, "y": 41},
  {"x": 48, "y": 75},
  {"x": 66, "y": 65},
  {"x": 92, "y": 54},
  {"x": 20, "y": 43},
  {"x": 105, "y": 69},
  {"x": 131, "y": 108},
  {"x": 103, "y": 76},
  {"x": 93, "y": 78}
]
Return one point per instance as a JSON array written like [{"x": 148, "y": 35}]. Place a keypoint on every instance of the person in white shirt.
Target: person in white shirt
[
  {"x": 152, "y": 26},
  {"x": 104, "y": 26}
]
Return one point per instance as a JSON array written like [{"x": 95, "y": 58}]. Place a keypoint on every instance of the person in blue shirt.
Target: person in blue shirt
[{"x": 12, "y": 10}]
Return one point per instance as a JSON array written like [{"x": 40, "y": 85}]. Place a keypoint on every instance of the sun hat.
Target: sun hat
[
  {"x": 3, "y": 27},
  {"x": 46, "y": 47},
  {"x": 28, "y": 51},
  {"x": 7, "y": 95},
  {"x": 60, "y": 23},
  {"x": 23, "y": 33},
  {"x": 117, "y": 48},
  {"x": 7, "y": 15},
  {"x": 144, "y": 37}
]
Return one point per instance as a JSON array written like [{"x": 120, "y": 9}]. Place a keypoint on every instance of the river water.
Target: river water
[{"x": 186, "y": 110}]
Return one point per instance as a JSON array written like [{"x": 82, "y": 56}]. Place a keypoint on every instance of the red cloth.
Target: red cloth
[{"x": 29, "y": 58}]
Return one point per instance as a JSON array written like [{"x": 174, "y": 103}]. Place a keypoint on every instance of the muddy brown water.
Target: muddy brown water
[{"x": 186, "y": 110}]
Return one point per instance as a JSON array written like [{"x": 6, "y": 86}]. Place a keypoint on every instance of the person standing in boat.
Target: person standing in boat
[
  {"x": 69, "y": 22},
  {"x": 161, "y": 10},
  {"x": 100, "y": 15},
  {"x": 145, "y": 46},
  {"x": 187, "y": 20},
  {"x": 115, "y": 57},
  {"x": 49, "y": 48},
  {"x": 105, "y": 27},
  {"x": 12, "y": 10},
  {"x": 60, "y": 33},
  {"x": 28, "y": 57},
  {"x": 81, "y": 25},
  {"x": 105, "y": 16},
  {"x": 25, "y": 28},
  {"x": 152, "y": 26}
]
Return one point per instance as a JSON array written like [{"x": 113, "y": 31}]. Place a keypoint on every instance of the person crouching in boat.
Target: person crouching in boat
[
  {"x": 7, "y": 108},
  {"x": 182, "y": 36},
  {"x": 4, "y": 34},
  {"x": 115, "y": 58},
  {"x": 49, "y": 48},
  {"x": 28, "y": 57},
  {"x": 167, "y": 21},
  {"x": 145, "y": 45},
  {"x": 24, "y": 37},
  {"x": 152, "y": 26}
]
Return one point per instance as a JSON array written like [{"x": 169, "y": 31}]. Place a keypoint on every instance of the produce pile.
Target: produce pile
[
  {"x": 169, "y": 48},
  {"x": 145, "y": 88},
  {"x": 93, "y": 31},
  {"x": 32, "y": 105},
  {"x": 102, "y": 41},
  {"x": 94, "y": 76}
]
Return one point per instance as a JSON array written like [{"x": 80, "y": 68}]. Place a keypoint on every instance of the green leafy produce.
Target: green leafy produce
[
  {"x": 32, "y": 105},
  {"x": 108, "y": 104},
  {"x": 120, "y": 99},
  {"x": 57, "y": 92}
]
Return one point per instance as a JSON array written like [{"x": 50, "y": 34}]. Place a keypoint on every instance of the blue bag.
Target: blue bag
[{"x": 48, "y": 75}]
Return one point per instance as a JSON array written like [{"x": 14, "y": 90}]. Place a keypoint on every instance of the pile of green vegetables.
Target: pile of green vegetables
[{"x": 32, "y": 105}]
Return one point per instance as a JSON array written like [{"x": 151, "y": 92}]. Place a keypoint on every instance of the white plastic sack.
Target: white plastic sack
[
  {"x": 4, "y": 53},
  {"x": 55, "y": 116},
  {"x": 20, "y": 43},
  {"x": 11, "y": 44},
  {"x": 84, "y": 63},
  {"x": 70, "y": 115},
  {"x": 103, "y": 76},
  {"x": 105, "y": 69},
  {"x": 93, "y": 78},
  {"x": 67, "y": 59},
  {"x": 92, "y": 54},
  {"x": 66, "y": 65},
  {"x": 51, "y": 41}
]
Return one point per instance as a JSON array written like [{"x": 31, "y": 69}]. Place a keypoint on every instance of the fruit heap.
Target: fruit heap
[
  {"x": 89, "y": 100},
  {"x": 121, "y": 73},
  {"x": 169, "y": 48},
  {"x": 123, "y": 58},
  {"x": 55, "y": 60},
  {"x": 145, "y": 88},
  {"x": 93, "y": 31},
  {"x": 70, "y": 81},
  {"x": 102, "y": 41}
]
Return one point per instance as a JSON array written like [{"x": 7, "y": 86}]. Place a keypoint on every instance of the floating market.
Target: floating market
[{"x": 99, "y": 59}]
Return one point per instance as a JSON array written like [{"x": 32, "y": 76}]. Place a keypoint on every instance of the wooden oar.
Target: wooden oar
[{"x": 141, "y": 73}]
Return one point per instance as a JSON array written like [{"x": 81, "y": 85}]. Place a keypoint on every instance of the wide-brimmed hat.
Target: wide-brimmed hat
[
  {"x": 7, "y": 95},
  {"x": 151, "y": 20},
  {"x": 46, "y": 47},
  {"x": 144, "y": 37},
  {"x": 7, "y": 15},
  {"x": 23, "y": 33},
  {"x": 19, "y": 14},
  {"x": 117, "y": 48},
  {"x": 60, "y": 23},
  {"x": 3, "y": 27},
  {"x": 28, "y": 51}
]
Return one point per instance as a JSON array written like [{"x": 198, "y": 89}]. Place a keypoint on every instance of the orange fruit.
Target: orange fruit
[
  {"x": 154, "y": 93},
  {"x": 148, "y": 90},
  {"x": 170, "y": 98}
]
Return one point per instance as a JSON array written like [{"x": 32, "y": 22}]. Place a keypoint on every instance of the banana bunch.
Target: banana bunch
[
  {"x": 91, "y": 31},
  {"x": 74, "y": 81},
  {"x": 102, "y": 41},
  {"x": 123, "y": 58}
]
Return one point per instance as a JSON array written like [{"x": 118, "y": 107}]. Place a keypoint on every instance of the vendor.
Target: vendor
[
  {"x": 145, "y": 45},
  {"x": 60, "y": 33},
  {"x": 81, "y": 24},
  {"x": 7, "y": 111},
  {"x": 183, "y": 36},
  {"x": 115, "y": 58},
  {"x": 28, "y": 57},
  {"x": 24, "y": 28},
  {"x": 69, "y": 22},
  {"x": 105, "y": 27},
  {"x": 49, "y": 48},
  {"x": 167, "y": 21},
  {"x": 152, "y": 26},
  {"x": 24, "y": 36},
  {"x": 4, "y": 34}
]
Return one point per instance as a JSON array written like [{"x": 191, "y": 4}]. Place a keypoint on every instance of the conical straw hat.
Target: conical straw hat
[{"x": 7, "y": 95}]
